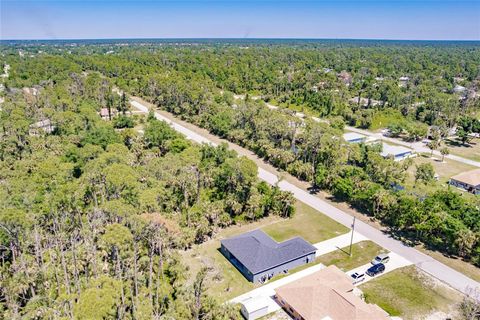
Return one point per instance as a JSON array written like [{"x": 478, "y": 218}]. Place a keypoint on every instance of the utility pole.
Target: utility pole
[{"x": 351, "y": 238}]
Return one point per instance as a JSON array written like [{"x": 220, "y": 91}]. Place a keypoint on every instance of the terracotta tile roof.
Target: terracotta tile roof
[
  {"x": 470, "y": 177},
  {"x": 328, "y": 293},
  {"x": 104, "y": 112}
]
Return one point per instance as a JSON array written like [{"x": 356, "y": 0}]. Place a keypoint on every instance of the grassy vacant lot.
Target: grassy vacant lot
[
  {"x": 362, "y": 252},
  {"x": 470, "y": 151},
  {"x": 410, "y": 294},
  {"x": 226, "y": 281},
  {"x": 382, "y": 119},
  {"x": 306, "y": 223},
  {"x": 445, "y": 170}
]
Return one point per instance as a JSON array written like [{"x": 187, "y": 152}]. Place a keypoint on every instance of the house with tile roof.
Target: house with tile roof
[
  {"x": 258, "y": 257},
  {"x": 326, "y": 294},
  {"x": 468, "y": 181}
]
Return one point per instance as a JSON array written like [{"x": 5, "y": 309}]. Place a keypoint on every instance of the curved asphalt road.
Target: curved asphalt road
[{"x": 435, "y": 268}]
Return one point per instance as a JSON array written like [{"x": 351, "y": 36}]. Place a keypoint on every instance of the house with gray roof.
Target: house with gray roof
[{"x": 258, "y": 257}]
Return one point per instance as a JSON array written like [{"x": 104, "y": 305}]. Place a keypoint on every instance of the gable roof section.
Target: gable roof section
[
  {"x": 393, "y": 150},
  {"x": 328, "y": 294},
  {"x": 352, "y": 136},
  {"x": 471, "y": 178},
  {"x": 258, "y": 252}
]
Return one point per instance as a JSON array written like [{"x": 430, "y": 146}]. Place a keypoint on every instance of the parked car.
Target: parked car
[
  {"x": 358, "y": 277},
  {"x": 381, "y": 258},
  {"x": 386, "y": 132},
  {"x": 376, "y": 269}
]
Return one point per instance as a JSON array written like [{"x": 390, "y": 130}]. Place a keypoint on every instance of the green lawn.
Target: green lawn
[
  {"x": 409, "y": 294},
  {"x": 470, "y": 151},
  {"x": 362, "y": 252},
  {"x": 225, "y": 281},
  {"x": 382, "y": 119},
  {"x": 306, "y": 223},
  {"x": 445, "y": 170}
]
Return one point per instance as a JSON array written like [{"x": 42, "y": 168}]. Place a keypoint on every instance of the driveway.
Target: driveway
[
  {"x": 267, "y": 291},
  {"x": 337, "y": 243},
  {"x": 396, "y": 261},
  {"x": 428, "y": 264}
]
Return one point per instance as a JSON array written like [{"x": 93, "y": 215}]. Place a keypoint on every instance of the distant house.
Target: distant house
[
  {"x": 403, "y": 81},
  {"x": 398, "y": 153},
  {"x": 326, "y": 294},
  {"x": 326, "y": 70},
  {"x": 31, "y": 91},
  {"x": 105, "y": 115},
  {"x": 459, "y": 89},
  {"x": 354, "y": 137},
  {"x": 345, "y": 77},
  {"x": 43, "y": 126},
  {"x": 258, "y": 257},
  {"x": 468, "y": 181},
  {"x": 255, "y": 307},
  {"x": 364, "y": 102}
]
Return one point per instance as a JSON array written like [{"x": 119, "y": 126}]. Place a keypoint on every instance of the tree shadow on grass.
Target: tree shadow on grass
[{"x": 457, "y": 143}]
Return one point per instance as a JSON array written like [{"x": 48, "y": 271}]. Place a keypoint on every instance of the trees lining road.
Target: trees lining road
[{"x": 428, "y": 264}]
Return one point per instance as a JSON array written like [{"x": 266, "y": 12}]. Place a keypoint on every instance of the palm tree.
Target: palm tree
[
  {"x": 433, "y": 145},
  {"x": 444, "y": 151}
]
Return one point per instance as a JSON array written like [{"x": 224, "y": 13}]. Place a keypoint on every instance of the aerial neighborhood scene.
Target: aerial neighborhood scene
[{"x": 273, "y": 160}]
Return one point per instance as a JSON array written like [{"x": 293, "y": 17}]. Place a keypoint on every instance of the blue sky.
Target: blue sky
[{"x": 386, "y": 19}]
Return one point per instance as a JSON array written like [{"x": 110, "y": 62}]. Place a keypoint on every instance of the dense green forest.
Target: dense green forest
[
  {"x": 442, "y": 81},
  {"x": 91, "y": 217},
  {"x": 94, "y": 212}
]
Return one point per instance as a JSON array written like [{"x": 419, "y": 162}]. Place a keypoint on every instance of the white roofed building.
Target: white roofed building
[
  {"x": 398, "y": 153},
  {"x": 354, "y": 137},
  {"x": 255, "y": 307},
  {"x": 44, "y": 126}
]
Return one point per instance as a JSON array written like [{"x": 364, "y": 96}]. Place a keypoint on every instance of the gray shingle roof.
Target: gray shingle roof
[{"x": 258, "y": 252}]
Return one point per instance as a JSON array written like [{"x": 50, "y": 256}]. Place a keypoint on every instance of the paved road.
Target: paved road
[
  {"x": 435, "y": 268},
  {"x": 417, "y": 146}
]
